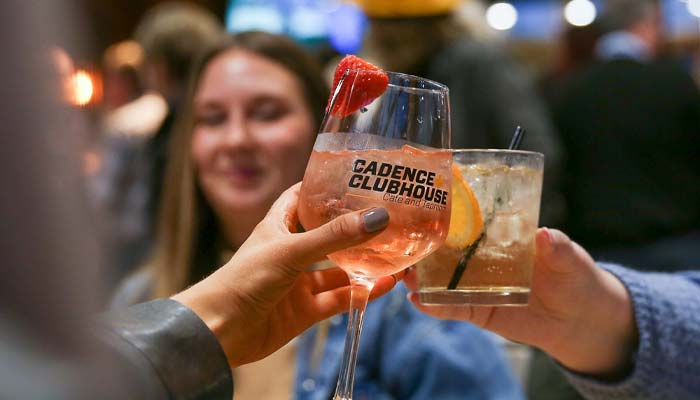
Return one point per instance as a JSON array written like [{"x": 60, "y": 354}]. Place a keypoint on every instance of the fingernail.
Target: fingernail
[
  {"x": 375, "y": 219},
  {"x": 545, "y": 240},
  {"x": 547, "y": 236}
]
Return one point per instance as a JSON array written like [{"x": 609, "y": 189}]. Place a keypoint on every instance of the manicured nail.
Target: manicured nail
[{"x": 375, "y": 219}]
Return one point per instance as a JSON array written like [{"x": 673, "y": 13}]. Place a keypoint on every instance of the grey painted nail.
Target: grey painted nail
[{"x": 375, "y": 219}]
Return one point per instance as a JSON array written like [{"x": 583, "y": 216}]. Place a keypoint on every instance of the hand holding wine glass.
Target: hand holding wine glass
[
  {"x": 264, "y": 295},
  {"x": 379, "y": 145}
]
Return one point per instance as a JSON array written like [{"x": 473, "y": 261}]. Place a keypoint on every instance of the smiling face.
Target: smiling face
[{"x": 253, "y": 133}]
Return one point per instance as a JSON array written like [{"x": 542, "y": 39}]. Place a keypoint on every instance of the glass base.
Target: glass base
[{"x": 475, "y": 297}]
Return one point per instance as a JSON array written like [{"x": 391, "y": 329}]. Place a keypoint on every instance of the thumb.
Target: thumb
[
  {"x": 345, "y": 231},
  {"x": 558, "y": 253}
]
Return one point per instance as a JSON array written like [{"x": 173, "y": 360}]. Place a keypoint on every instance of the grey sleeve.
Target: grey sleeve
[
  {"x": 166, "y": 352},
  {"x": 667, "y": 363}
]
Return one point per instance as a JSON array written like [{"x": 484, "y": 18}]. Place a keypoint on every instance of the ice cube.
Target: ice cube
[{"x": 505, "y": 229}]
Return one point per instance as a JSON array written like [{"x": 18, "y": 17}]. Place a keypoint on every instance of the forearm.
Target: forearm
[{"x": 603, "y": 337}]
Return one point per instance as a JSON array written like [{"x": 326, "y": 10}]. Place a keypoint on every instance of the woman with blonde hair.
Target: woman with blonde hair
[
  {"x": 245, "y": 135},
  {"x": 284, "y": 102}
]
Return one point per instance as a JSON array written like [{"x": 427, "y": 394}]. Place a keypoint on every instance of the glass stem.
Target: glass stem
[{"x": 360, "y": 287}]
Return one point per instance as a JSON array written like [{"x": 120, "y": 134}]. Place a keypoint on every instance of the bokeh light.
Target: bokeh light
[
  {"x": 83, "y": 88},
  {"x": 346, "y": 25},
  {"x": 502, "y": 16},
  {"x": 247, "y": 17},
  {"x": 694, "y": 7},
  {"x": 580, "y": 12}
]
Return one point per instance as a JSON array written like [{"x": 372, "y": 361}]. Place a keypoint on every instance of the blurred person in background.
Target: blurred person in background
[
  {"x": 630, "y": 123},
  {"x": 50, "y": 346},
  {"x": 490, "y": 94},
  {"x": 575, "y": 49},
  {"x": 130, "y": 113},
  {"x": 246, "y": 133},
  {"x": 121, "y": 63},
  {"x": 130, "y": 183}
]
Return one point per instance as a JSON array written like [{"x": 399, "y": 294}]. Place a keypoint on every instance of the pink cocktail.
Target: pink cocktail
[{"x": 412, "y": 184}]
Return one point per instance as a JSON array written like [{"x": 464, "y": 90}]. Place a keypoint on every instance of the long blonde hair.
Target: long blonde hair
[{"x": 189, "y": 242}]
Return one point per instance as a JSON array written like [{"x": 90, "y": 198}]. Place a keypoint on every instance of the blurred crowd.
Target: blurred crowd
[{"x": 186, "y": 106}]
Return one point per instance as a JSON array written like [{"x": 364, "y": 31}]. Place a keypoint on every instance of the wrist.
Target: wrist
[
  {"x": 205, "y": 300},
  {"x": 604, "y": 334}
]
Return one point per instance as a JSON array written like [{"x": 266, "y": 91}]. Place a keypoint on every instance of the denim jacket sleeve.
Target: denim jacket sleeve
[
  {"x": 667, "y": 363},
  {"x": 166, "y": 352}
]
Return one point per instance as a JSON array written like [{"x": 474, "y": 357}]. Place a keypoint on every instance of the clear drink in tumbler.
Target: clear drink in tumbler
[{"x": 488, "y": 256}]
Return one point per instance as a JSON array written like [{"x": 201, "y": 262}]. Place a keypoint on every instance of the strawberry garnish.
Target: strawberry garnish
[{"x": 369, "y": 80}]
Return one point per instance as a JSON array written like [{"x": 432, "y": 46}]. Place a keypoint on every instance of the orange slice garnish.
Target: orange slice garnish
[{"x": 466, "y": 222}]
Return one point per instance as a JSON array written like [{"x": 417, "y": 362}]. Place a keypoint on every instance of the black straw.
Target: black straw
[
  {"x": 517, "y": 138},
  {"x": 469, "y": 251}
]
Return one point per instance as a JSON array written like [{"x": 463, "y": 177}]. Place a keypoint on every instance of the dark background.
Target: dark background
[{"x": 110, "y": 21}]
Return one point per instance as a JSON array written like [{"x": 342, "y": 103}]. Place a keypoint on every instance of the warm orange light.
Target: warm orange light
[
  {"x": 126, "y": 53},
  {"x": 83, "y": 88}
]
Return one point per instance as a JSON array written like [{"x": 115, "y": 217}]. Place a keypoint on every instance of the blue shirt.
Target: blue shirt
[{"x": 407, "y": 355}]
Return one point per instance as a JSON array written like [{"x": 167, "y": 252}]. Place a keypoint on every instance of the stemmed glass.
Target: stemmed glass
[{"x": 389, "y": 154}]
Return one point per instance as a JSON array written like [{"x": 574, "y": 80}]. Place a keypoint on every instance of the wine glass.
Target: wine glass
[{"x": 387, "y": 153}]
